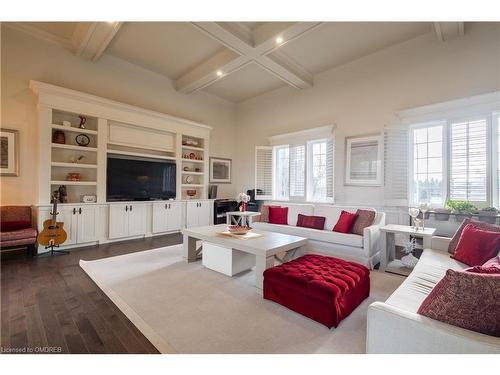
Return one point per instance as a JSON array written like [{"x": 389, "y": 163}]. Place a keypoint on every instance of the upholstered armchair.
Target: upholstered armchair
[{"x": 16, "y": 228}]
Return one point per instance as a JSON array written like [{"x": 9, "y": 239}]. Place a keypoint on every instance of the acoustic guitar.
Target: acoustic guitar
[{"x": 53, "y": 233}]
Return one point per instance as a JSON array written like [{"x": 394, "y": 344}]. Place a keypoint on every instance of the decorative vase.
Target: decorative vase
[
  {"x": 243, "y": 206},
  {"x": 59, "y": 137}
]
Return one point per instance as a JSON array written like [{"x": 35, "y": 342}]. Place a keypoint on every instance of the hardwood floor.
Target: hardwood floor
[{"x": 49, "y": 304}]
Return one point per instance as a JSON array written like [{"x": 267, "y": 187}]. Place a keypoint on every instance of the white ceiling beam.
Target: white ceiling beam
[
  {"x": 246, "y": 50},
  {"x": 90, "y": 39},
  {"x": 205, "y": 74},
  {"x": 449, "y": 30}
]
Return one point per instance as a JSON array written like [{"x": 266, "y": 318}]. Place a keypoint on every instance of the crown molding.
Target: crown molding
[
  {"x": 488, "y": 102},
  {"x": 43, "y": 90},
  {"x": 40, "y": 34},
  {"x": 302, "y": 135}
]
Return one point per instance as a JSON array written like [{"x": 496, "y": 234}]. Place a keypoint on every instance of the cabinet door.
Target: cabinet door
[
  {"x": 174, "y": 216},
  {"x": 118, "y": 220},
  {"x": 192, "y": 214},
  {"x": 204, "y": 213},
  {"x": 160, "y": 214},
  {"x": 87, "y": 224},
  {"x": 137, "y": 219}
]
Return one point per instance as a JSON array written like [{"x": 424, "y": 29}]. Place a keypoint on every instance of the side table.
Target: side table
[
  {"x": 388, "y": 246},
  {"x": 243, "y": 218}
]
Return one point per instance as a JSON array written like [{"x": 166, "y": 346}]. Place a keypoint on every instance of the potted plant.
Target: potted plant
[
  {"x": 461, "y": 209},
  {"x": 488, "y": 214},
  {"x": 442, "y": 214}
]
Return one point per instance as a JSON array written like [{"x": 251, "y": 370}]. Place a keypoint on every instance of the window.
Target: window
[
  {"x": 451, "y": 160},
  {"x": 301, "y": 170},
  {"x": 282, "y": 172},
  {"x": 297, "y": 171},
  {"x": 428, "y": 165},
  {"x": 317, "y": 170},
  {"x": 468, "y": 169}
]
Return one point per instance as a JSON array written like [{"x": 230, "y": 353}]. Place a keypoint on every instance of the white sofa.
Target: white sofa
[
  {"x": 395, "y": 327},
  {"x": 363, "y": 249}
]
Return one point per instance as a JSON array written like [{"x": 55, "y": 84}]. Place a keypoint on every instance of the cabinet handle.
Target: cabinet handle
[
  {"x": 126, "y": 208},
  {"x": 169, "y": 206},
  {"x": 130, "y": 207},
  {"x": 166, "y": 206},
  {"x": 80, "y": 210},
  {"x": 74, "y": 211}
]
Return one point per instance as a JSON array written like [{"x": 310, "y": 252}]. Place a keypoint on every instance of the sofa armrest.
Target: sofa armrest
[
  {"x": 440, "y": 243},
  {"x": 393, "y": 330},
  {"x": 371, "y": 235}
]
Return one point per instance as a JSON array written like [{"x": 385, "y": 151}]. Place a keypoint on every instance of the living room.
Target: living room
[{"x": 277, "y": 185}]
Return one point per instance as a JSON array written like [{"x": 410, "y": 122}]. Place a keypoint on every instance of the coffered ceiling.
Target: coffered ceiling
[{"x": 234, "y": 60}]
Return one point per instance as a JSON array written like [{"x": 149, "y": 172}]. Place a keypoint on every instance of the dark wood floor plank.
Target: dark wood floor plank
[{"x": 51, "y": 302}]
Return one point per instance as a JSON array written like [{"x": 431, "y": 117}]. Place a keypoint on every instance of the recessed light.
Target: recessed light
[
  {"x": 219, "y": 73},
  {"x": 279, "y": 40}
]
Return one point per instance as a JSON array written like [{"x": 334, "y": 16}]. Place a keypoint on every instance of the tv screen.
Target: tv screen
[{"x": 134, "y": 178}]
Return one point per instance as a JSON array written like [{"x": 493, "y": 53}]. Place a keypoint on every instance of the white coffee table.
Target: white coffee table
[
  {"x": 388, "y": 245},
  {"x": 264, "y": 248}
]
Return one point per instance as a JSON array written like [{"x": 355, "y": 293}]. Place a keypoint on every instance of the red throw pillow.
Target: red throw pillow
[
  {"x": 478, "y": 224},
  {"x": 345, "y": 222},
  {"x": 465, "y": 299},
  {"x": 476, "y": 246},
  {"x": 278, "y": 215},
  {"x": 314, "y": 222},
  {"x": 491, "y": 266}
]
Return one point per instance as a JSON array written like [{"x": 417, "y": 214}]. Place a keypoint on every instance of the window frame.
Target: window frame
[
  {"x": 307, "y": 170},
  {"x": 444, "y": 152},
  {"x": 492, "y": 155}
]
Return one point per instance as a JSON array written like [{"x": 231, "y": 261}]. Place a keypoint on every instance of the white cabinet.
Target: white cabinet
[
  {"x": 127, "y": 219},
  {"x": 80, "y": 222},
  {"x": 198, "y": 213},
  {"x": 167, "y": 216}
]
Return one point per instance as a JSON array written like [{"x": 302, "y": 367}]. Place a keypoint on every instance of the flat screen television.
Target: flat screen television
[{"x": 136, "y": 178}]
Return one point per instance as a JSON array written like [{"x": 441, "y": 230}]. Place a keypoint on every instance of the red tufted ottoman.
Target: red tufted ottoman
[{"x": 325, "y": 289}]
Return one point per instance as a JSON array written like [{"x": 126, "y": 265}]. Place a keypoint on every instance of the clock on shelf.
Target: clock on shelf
[{"x": 82, "y": 140}]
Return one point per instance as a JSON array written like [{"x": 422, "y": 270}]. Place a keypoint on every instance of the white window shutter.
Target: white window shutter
[
  {"x": 263, "y": 172},
  {"x": 396, "y": 156},
  {"x": 330, "y": 155},
  {"x": 469, "y": 165}
]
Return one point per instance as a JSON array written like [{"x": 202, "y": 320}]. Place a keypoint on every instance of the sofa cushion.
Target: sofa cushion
[
  {"x": 478, "y": 224},
  {"x": 365, "y": 219},
  {"x": 345, "y": 222},
  {"x": 313, "y": 222},
  {"x": 330, "y": 213},
  {"x": 429, "y": 270},
  {"x": 476, "y": 246},
  {"x": 21, "y": 234},
  {"x": 467, "y": 300},
  {"x": 264, "y": 213},
  {"x": 347, "y": 239},
  {"x": 295, "y": 209},
  {"x": 278, "y": 215}
]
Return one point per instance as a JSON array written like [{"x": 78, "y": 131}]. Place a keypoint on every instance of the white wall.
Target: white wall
[
  {"x": 362, "y": 96},
  {"x": 24, "y": 58}
]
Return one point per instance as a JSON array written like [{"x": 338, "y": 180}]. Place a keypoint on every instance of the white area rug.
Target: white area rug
[{"x": 186, "y": 308}]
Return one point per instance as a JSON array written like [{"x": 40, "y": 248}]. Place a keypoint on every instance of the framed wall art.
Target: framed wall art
[
  {"x": 220, "y": 170},
  {"x": 363, "y": 161},
  {"x": 9, "y": 152}
]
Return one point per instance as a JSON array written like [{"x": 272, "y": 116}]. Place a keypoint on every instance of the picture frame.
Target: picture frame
[
  {"x": 220, "y": 170},
  {"x": 363, "y": 160},
  {"x": 9, "y": 152}
]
